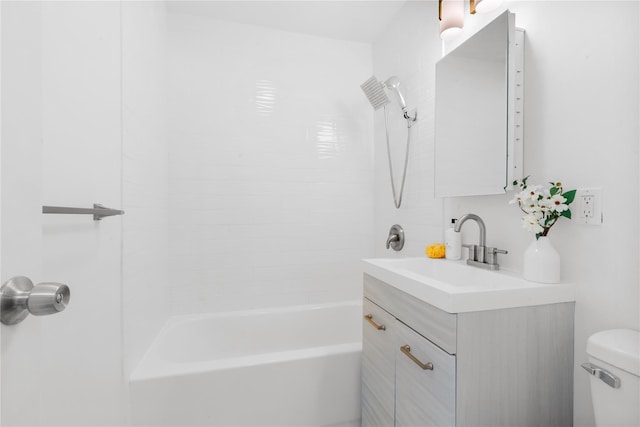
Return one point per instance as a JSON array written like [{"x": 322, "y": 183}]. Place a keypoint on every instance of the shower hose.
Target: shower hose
[{"x": 397, "y": 199}]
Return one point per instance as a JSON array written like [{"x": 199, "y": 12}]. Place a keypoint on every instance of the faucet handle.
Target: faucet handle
[
  {"x": 473, "y": 251},
  {"x": 492, "y": 255},
  {"x": 395, "y": 240},
  {"x": 497, "y": 251}
]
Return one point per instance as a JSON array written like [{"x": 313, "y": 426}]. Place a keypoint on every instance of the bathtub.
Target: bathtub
[{"x": 294, "y": 366}]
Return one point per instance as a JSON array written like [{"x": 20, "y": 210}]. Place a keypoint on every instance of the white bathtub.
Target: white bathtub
[{"x": 295, "y": 366}]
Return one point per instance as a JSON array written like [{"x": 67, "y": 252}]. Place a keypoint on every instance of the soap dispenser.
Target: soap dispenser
[{"x": 453, "y": 242}]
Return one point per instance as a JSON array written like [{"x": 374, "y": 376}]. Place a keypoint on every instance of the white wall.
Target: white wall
[
  {"x": 408, "y": 49},
  {"x": 145, "y": 176},
  {"x": 270, "y": 166},
  {"x": 70, "y": 155},
  {"x": 581, "y": 127}
]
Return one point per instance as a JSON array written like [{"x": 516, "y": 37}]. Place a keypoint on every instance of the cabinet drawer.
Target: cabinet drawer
[
  {"x": 378, "y": 366},
  {"x": 433, "y": 323},
  {"x": 424, "y": 397}
]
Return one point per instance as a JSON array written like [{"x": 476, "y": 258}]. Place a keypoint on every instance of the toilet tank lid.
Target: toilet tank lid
[{"x": 617, "y": 347}]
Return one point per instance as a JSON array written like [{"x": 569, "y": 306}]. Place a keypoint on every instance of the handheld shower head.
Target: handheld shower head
[
  {"x": 393, "y": 83},
  {"x": 374, "y": 90}
]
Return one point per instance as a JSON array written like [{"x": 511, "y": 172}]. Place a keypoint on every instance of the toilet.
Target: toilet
[{"x": 614, "y": 363}]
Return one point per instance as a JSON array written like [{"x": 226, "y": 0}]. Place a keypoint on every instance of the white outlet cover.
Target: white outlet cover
[{"x": 587, "y": 206}]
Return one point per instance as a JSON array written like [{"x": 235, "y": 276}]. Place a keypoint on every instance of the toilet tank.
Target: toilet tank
[{"x": 614, "y": 357}]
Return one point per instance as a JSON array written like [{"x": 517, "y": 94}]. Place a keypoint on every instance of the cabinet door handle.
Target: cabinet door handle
[
  {"x": 369, "y": 318},
  {"x": 407, "y": 351}
]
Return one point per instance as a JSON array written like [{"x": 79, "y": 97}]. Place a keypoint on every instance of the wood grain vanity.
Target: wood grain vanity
[{"x": 424, "y": 366}]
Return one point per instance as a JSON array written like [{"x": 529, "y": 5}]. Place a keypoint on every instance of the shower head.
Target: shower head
[
  {"x": 375, "y": 92},
  {"x": 393, "y": 83}
]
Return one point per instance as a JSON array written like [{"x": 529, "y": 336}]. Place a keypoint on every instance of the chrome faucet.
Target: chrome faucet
[
  {"x": 475, "y": 252},
  {"x": 480, "y": 255}
]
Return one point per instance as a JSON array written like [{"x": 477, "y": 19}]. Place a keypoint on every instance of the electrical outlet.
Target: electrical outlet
[{"x": 588, "y": 203}]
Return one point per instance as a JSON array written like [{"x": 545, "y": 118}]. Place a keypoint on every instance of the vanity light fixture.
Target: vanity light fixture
[
  {"x": 451, "y": 15},
  {"x": 483, "y": 6}
]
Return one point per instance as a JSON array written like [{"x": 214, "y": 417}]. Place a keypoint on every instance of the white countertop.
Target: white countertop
[{"x": 455, "y": 287}]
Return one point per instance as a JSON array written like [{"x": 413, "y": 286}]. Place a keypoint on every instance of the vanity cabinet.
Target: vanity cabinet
[
  {"x": 506, "y": 367},
  {"x": 378, "y": 367},
  {"x": 425, "y": 381}
]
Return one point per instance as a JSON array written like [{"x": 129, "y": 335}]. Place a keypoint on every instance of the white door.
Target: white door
[
  {"x": 61, "y": 145},
  {"x": 21, "y": 192}
]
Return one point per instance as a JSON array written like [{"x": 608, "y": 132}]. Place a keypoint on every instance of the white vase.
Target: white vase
[{"x": 541, "y": 262}]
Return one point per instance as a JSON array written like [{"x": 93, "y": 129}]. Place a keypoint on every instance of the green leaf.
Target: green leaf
[
  {"x": 554, "y": 191},
  {"x": 569, "y": 195},
  {"x": 566, "y": 214}
]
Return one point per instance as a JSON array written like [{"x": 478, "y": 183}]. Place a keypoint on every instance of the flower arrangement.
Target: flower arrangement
[{"x": 542, "y": 207}]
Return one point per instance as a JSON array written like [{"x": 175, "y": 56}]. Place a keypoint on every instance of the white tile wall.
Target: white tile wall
[
  {"x": 145, "y": 176},
  {"x": 581, "y": 126},
  {"x": 270, "y": 166},
  {"x": 409, "y": 50}
]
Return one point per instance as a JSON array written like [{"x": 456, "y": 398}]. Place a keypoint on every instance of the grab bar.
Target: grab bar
[{"x": 98, "y": 211}]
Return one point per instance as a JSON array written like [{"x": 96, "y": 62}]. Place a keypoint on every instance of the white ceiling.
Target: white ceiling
[{"x": 355, "y": 20}]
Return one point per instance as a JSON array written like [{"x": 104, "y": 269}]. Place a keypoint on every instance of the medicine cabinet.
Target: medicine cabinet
[{"x": 479, "y": 114}]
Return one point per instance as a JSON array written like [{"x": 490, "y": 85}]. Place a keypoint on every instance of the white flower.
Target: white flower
[
  {"x": 558, "y": 203},
  {"x": 542, "y": 206},
  {"x": 531, "y": 206},
  {"x": 537, "y": 214},
  {"x": 534, "y": 191},
  {"x": 545, "y": 204},
  {"x": 532, "y": 223},
  {"x": 520, "y": 197}
]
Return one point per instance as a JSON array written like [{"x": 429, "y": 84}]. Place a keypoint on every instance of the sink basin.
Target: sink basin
[{"x": 455, "y": 287}]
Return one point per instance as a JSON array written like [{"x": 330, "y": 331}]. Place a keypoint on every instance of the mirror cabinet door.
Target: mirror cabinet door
[{"x": 472, "y": 135}]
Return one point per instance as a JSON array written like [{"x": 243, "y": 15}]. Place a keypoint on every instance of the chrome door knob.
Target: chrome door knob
[{"x": 19, "y": 297}]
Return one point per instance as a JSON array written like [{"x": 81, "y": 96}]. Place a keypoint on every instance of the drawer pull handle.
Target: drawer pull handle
[
  {"x": 369, "y": 318},
  {"x": 407, "y": 351}
]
